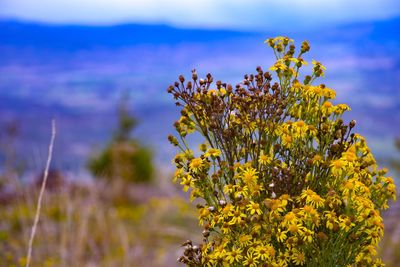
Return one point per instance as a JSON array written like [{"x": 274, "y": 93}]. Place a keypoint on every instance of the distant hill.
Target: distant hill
[
  {"x": 27, "y": 34},
  {"x": 383, "y": 30},
  {"x": 70, "y": 37}
]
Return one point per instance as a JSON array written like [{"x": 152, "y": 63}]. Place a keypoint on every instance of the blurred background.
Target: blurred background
[{"x": 101, "y": 69}]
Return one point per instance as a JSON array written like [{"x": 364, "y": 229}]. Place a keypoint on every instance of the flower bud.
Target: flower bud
[
  {"x": 173, "y": 140},
  {"x": 325, "y": 127},
  {"x": 352, "y": 124},
  {"x": 209, "y": 78},
  {"x": 206, "y": 233},
  {"x": 305, "y": 47},
  {"x": 194, "y": 75},
  {"x": 203, "y": 147},
  {"x": 271, "y": 42},
  {"x": 307, "y": 79},
  {"x": 338, "y": 134}
]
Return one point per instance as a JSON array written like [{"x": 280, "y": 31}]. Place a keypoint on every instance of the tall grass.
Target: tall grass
[{"x": 96, "y": 225}]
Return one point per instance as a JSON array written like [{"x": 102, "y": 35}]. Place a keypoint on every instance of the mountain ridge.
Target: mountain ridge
[
  {"x": 41, "y": 35},
  {"x": 16, "y": 33}
]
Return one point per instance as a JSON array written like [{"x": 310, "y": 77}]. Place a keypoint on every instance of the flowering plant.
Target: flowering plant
[{"x": 280, "y": 179}]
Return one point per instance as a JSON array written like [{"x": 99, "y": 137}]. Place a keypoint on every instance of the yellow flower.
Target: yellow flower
[
  {"x": 350, "y": 154},
  {"x": 316, "y": 201},
  {"x": 284, "y": 199},
  {"x": 329, "y": 93},
  {"x": 287, "y": 140},
  {"x": 179, "y": 173},
  {"x": 348, "y": 187},
  {"x": 307, "y": 235},
  {"x": 317, "y": 90},
  {"x": 228, "y": 189},
  {"x": 281, "y": 235},
  {"x": 255, "y": 190},
  {"x": 276, "y": 206},
  {"x": 341, "y": 108},
  {"x": 196, "y": 164},
  {"x": 298, "y": 257},
  {"x": 345, "y": 223},
  {"x": 300, "y": 129},
  {"x": 295, "y": 228},
  {"x": 241, "y": 190},
  {"x": 234, "y": 256},
  {"x": 187, "y": 182},
  {"x": 204, "y": 214},
  {"x": 213, "y": 152},
  {"x": 289, "y": 218},
  {"x": 254, "y": 208},
  {"x": 249, "y": 176},
  {"x": 312, "y": 198},
  {"x": 337, "y": 167},
  {"x": 264, "y": 159},
  {"x": 306, "y": 194},
  {"x": 310, "y": 215},
  {"x": 236, "y": 216},
  {"x": 203, "y": 147},
  {"x": 264, "y": 252},
  {"x": 250, "y": 260},
  {"x": 283, "y": 259},
  {"x": 222, "y": 91},
  {"x": 245, "y": 240},
  {"x": 317, "y": 159},
  {"x": 279, "y": 66},
  {"x": 212, "y": 92},
  {"x": 327, "y": 108},
  {"x": 331, "y": 219},
  {"x": 228, "y": 209},
  {"x": 226, "y": 228},
  {"x": 318, "y": 69}
]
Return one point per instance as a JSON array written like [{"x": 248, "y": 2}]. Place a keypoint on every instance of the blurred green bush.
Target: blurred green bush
[{"x": 124, "y": 157}]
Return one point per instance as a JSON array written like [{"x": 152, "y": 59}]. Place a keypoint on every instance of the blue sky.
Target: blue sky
[{"x": 231, "y": 14}]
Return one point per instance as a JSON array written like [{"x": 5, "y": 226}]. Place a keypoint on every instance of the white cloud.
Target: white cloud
[{"x": 206, "y": 13}]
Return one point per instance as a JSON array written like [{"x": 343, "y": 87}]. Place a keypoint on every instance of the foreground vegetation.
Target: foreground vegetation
[
  {"x": 281, "y": 179},
  {"x": 97, "y": 225},
  {"x": 101, "y": 224}
]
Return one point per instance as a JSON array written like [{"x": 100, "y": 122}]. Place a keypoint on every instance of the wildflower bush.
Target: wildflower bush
[{"x": 281, "y": 179}]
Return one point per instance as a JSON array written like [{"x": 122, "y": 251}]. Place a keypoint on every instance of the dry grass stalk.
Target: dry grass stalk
[{"x": 43, "y": 187}]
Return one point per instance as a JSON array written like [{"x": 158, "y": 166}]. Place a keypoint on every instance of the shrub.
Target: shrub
[
  {"x": 281, "y": 179},
  {"x": 126, "y": 160},
  {"x": 124, "y": 157}
]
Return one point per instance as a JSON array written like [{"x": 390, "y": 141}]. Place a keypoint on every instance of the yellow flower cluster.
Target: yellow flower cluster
[{"x": 280, "y": 180}]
